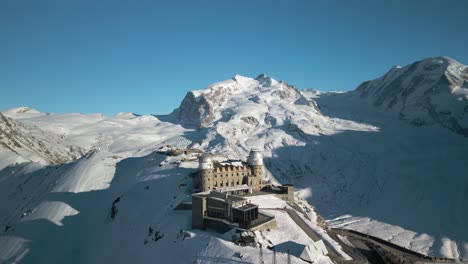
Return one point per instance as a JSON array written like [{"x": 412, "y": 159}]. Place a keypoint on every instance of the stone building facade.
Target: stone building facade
[{"x": 225, "y": 175}]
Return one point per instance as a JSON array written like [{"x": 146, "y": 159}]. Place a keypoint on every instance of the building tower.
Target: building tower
[
  {"x": 255, "y": 162},
  {"x": 206, "y": 172}
]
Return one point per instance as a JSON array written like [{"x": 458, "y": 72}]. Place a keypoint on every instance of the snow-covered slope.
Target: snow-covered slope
[
  {"x": 413, "y": 178},
  {"x": 20, "y": 142},
  {"x": 433, "y": 90},
  {"x": 361, "y": 166},
  {"x": 62, "y": 213}
]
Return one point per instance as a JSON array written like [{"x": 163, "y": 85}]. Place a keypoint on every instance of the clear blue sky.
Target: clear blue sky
[{"x": 143, "y": 56}]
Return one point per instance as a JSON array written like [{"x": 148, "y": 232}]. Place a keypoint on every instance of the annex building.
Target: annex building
[{"x": 224, "y": 211}]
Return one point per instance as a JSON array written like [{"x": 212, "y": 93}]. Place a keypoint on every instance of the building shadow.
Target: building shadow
[{"x": 290, "y": 247}]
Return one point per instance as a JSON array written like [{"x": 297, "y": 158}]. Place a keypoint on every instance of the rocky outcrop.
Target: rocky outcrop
[
  {"x": 196, "y": 111},
  {"x": 250, "y": 120}
]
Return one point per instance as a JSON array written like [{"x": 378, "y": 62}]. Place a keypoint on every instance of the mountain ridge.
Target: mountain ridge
[{"x": 433, "y": 90}]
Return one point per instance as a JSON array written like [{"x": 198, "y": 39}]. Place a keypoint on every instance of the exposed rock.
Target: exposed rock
[
  {"x": 304, "y": 101},
  {"x": 250, "y": 120},
  {"x": 287, "y": 92},
  {"x": 196, "y": 111}
]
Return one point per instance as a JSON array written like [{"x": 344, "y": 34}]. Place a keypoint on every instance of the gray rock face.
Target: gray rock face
[
  {"x": 264, "y": 80},
  {"x": 250, "y": 120},
  {"x": 288, "y": 92},
  {"x": 304, "y": 101},
  {"x": 431, "y": 91},
  {"x": 195, "y": 111}
]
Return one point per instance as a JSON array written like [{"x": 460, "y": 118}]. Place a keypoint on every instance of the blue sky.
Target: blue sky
[{"x": 143, "y": 56}]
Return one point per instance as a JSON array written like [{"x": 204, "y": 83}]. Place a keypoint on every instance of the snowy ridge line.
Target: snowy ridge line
[{"x": 426, "y": 92}]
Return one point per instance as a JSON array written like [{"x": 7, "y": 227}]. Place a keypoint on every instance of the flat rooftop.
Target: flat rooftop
[
  {"x": 243, "y": 187},
  {"x": 229, "y": 163},
  {"x": 219, "y": 196},
  {"x": 246, "y": 207}
]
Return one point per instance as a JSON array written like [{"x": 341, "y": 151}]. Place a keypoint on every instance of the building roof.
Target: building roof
[
  {"x": 235, "y": 198},
  {"x": 255, "y": 154},
  {"x": 246, "y": 207},
  {"x": 313, "y": 251},
  {"x": 235, "y": 163},
  {"x": 230, "y": 164},
  {"x": 220, "y": 196},
  {"x": 242, "y": 187},
  {"x": 207, "y": 158},
  {"x": 309, "y": 253}
]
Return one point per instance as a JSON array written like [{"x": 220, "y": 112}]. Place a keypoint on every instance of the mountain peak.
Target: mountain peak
[
  {"x": 240, "y": 78},
  {"x": 221, "y": 100},
  {"x": 22, "y": 110},
  {"x": 430, "y": 64},
  {"x": 265, "y": 80},
  {"x": 261, "y": 76},
  {"x": 441, "y": 59}
]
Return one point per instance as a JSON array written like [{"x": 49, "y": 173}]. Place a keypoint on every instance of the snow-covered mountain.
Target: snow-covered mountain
[
  {"x": 239, "y": 113},
  {"x": 433, "y": 90},
  {"x": 361, "y": 166},
  {"x": 201, "y": 108}
]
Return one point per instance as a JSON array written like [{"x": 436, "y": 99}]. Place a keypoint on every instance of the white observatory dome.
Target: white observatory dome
[
  {"x": 255, "y": 157},
  {"x": 206, "y": 162}
]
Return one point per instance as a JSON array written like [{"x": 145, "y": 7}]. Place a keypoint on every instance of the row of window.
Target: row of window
[
  {"x": 226, "y": 184},
  {"x": 207, "y": 176},
  {"x": 239, "y": 216},
  {"x": 232, "y": 174},
  {"x": 227, "y": 175},
  {"x": 214, "y": 214},
  {"x": 231, "y": 169}
]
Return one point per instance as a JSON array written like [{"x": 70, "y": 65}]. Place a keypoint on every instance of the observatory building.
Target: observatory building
[{"x": 232, "y": 176}]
